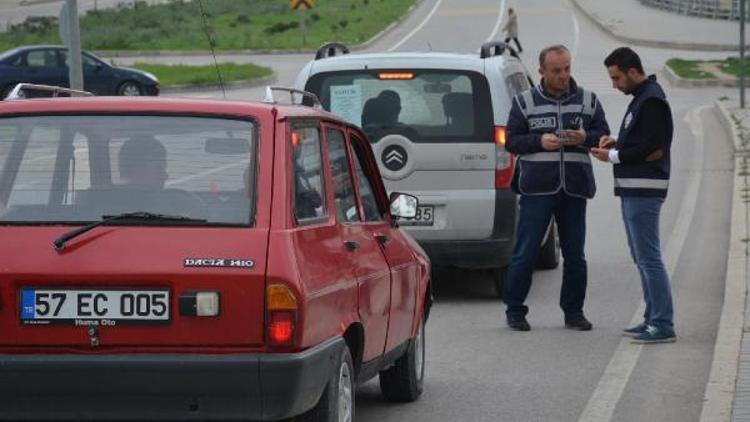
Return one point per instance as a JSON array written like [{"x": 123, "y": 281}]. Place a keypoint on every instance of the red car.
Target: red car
[{"x": 200, "y": 260}]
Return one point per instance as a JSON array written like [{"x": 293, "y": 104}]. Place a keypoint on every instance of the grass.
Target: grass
[
  {"x": 231, "y": 24},
  {"x": 689, "y": 69},
  {"x": 199, "y": 75},
  {"x": 732, "y": 66}
]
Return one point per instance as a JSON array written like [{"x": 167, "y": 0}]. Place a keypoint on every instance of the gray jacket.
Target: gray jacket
[{"x": 511, "y": 26}]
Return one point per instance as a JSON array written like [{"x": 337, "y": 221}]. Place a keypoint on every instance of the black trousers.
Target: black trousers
[{"x": 518, "y": 43}]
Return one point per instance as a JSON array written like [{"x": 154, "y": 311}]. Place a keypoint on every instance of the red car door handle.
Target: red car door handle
[
  {"x": 351, "y": 245},
  {"x": 382, "y": 238}
]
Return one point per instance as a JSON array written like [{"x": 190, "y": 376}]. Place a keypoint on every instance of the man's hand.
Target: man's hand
[
  {"x": 607, "y": 142},
  {"x": 550, "y": 142},
  {"x": 574, "y": 137},
  {"x": 601, "y": 154}
]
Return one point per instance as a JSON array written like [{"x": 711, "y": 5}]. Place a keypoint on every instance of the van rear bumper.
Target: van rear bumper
[
  {"x": 246, "y": 386},
  {"x": 493, "y": 252},
  {"x": 472, "y": 254}
]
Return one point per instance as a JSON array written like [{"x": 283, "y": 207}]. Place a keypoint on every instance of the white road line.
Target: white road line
[
  {"x": 601, "y": 404},
  {"x": 576, "y": 35},
  {"x": 499, "y": 21},
  {"x": 418, "y": 27},
  {"x": 576, "y": 30}
]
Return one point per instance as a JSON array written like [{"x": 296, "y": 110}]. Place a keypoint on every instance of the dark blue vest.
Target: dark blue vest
[
  {"x": 650, "y": 178},
  {"x": 569, "y": 169}
]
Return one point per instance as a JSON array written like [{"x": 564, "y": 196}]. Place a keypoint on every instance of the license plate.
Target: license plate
[
  {"x": 424, "y": 217},
  {"x": 106, "y": 307}
]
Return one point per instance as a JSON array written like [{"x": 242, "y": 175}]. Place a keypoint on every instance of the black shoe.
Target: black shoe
[
  {"x": 518, "y": 323},
  {"x": 578, "y": 323}
]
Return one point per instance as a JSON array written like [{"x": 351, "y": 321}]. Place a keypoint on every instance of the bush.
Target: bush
[{"x": 281, "y": 27}]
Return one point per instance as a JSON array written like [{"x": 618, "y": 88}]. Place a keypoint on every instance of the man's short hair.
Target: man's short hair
[
  {"x": 557, "y": 48},
  {"x": 137, "y": 150},
  {"x": 624, "y": 58}
]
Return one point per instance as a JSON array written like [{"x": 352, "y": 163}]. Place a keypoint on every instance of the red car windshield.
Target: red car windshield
[{"x": 70, "y": 169}]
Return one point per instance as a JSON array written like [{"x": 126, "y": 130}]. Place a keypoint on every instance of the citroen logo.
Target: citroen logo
[{"x": 394, "y": 157}]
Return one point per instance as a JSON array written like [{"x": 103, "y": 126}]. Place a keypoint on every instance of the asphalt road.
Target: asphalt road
[{"x": 478, "y": 370}]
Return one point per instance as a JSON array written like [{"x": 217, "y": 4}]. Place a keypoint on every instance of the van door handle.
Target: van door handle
[
  {"x": 351, "y": 245},
  {"x": 382, "y": 238}
]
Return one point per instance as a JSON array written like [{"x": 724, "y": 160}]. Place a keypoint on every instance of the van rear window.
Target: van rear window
[
  {"x": 427, "y": 106},
  {"x": 77, "y": 168}
]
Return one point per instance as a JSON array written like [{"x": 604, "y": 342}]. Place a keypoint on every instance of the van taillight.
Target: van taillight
[
  {"x": 505, "y": 162},
  {"x": 281, "y": 315}
]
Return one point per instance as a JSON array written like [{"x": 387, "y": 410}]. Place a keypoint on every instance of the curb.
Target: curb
[
  {"x": 676, "y": 80},
  {"x": 252, "y": 83},
  {"x": 593, "y": 17},
  {"x": 722, "y": 380},
  {"x": 112, "y": 54}
]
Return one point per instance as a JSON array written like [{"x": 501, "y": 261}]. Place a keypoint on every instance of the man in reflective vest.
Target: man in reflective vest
[
  {"x": 641, "y": 161},
  {"x": 551, "y": 128}
]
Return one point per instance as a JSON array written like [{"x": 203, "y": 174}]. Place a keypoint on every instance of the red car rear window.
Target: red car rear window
[{"x": 80, "y": 168}]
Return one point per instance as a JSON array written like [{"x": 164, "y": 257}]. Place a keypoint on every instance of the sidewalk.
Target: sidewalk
[
  {"x": 727, "y": 396},
  {"x": 633, "y": 23}
]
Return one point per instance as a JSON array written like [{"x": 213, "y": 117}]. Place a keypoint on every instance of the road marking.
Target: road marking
[
  {"x": 418, "y": 27},
  {"x": 601, "y": 404},
  {"x": 500, "y": 17},
  {"x": 576, "y": 31}
]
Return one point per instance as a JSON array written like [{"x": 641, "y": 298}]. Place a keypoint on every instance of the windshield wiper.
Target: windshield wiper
[{"x": 59, "y": 243}]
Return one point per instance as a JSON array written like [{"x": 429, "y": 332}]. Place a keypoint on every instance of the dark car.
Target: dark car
[{"x": 48, "y": 65}]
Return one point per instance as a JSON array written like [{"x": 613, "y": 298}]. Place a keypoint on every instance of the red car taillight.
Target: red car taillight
[
  {"x": 505, "y": 162},
  {"x": 281, "y": 315}
]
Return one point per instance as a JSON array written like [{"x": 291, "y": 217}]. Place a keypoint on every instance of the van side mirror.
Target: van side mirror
[{"x": 403, "y": 205}]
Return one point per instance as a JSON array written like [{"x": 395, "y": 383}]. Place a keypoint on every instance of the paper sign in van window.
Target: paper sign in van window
[{"x": 346, "y": 101}]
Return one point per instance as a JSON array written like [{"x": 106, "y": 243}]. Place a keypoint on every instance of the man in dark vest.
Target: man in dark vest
[
  {"x": 551, "y": 128},
  {"x": 641, "y": 161}
]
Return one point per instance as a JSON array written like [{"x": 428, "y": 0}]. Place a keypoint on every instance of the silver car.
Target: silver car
[{"x": 436, "y": 122}]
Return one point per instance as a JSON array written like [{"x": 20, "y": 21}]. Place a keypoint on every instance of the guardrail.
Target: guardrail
[{"x": 717, "y": 9}]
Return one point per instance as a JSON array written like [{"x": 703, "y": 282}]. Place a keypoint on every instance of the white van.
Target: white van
[{"x": 436, "y": 122}]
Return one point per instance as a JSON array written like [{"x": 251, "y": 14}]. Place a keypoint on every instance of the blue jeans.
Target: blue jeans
[
  {"x": 534, "y": 216},
  {"x": 641, "y": 217}
]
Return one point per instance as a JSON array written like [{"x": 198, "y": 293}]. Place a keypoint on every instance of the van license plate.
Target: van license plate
[
  {"x": 424, "y": 217},
  {"x": 82, "y": 307}
]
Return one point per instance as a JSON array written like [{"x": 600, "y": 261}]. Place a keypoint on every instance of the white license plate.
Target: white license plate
[
  {"x": 80, "y": 307},
  {"x": 424, "y": 217}
]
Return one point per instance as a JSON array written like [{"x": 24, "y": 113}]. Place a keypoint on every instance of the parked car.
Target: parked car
[
  {"x": 437, "y": 124},
  {"x": 48, "y": 65},
  {"x": 200, "y": 260}
]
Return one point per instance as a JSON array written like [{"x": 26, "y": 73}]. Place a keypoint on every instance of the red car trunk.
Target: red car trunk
[{"x": 137, "y": 258}]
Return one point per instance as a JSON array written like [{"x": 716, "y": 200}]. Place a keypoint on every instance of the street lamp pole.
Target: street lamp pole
[
  {"x": 71, "y": 36},
  {"x": 74, "y": 48},
  {"x": 742, "y": 52}
]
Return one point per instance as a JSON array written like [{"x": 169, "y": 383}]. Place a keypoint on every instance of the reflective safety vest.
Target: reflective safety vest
[
  {"x": 541, "y": 172},
  {"x": 649, "y": 178}
]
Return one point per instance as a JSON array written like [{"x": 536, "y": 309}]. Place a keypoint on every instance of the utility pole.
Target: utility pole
[
  {"x": 71, "y": 35},
  {"x": 303, "y": 26},
  {"x": 743, "y": 12}
]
